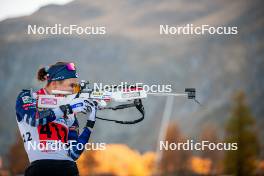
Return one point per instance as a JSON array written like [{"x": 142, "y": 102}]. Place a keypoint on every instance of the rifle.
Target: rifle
[{"x": 128, "y": 97}]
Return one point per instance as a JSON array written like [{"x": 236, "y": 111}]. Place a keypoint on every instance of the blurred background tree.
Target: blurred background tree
[
  {"x": 116, "y": 160},
  {"x": 210, "y": 133},
  {"x": 174, "y": 162},
  {"x": 87, "y": 163},
  {"x": 241, "y": 129},
  {"x": 18, "y": 160}
]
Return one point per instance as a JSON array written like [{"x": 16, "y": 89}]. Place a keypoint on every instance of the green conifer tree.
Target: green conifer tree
[{"x": 241, "y": 129}]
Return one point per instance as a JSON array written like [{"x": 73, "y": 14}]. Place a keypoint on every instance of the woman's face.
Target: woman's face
[{"x": 66, "y": 85}]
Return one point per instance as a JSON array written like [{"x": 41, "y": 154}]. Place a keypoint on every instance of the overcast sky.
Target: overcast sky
[{"x": 15, "y": 8}]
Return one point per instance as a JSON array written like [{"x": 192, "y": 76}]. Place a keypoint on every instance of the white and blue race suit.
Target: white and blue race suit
[{"x": 40, "y": 128}]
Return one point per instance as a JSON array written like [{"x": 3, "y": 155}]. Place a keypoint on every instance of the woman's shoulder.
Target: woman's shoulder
[{"x": 26, "y": 94}]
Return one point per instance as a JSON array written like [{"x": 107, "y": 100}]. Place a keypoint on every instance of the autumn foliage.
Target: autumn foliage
[{"x": 116, "y": 159}]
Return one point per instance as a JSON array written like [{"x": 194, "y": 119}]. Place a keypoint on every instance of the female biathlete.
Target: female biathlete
[{"x": 40, "y": 128}]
